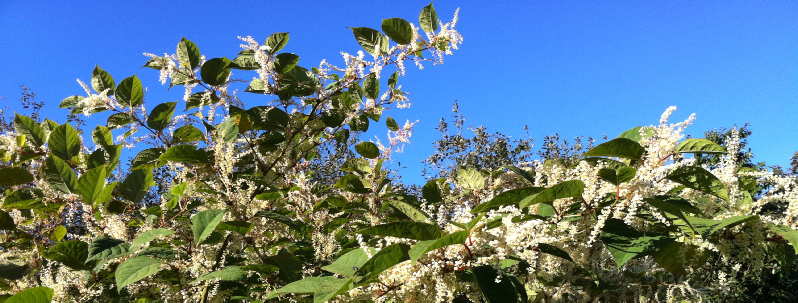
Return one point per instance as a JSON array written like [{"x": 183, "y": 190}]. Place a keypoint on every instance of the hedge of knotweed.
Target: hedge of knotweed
[{"x": 221, "y": 201}]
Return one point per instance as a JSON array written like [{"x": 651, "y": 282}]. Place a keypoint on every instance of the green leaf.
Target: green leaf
[
  {"x": 371, "y": 86},
  {"x": 700, "y": 179},
  {"x": 246, "y": 62},
  {"x": 58, "y": 233},
  {"x": 150, "y": 235},
  {"x": 161, "y": 115},
  {"x": 398, "y": 30},
  {"x": 241, "y": 227},
  {"x": 784, "y": 254},
  {"x": 13, "y": 271},
  {"x": 203, "y": 223},
  {"x": 367, "y": 150},
  {"x": 625, "y": 243},
  {"x": 423, "y": 247},
  {"x": 393, "y": 80},
  {"x": 118, "y": 120},
  {"x": 107, "y": 248},
  {"x": 619, "y": 147},
  {"x": 357, "y": 165},
  {"x": 384, "y": 259},
  {"x": 59, "y": 175},
  {"x": 71, "y": 253},
  {"x": 353, "y": 184},
  {"x": 391, "y": 124},
  {"x": 634, "y": 133},
  {"x": 470, "y": 178},
  {"x": 64, "y": 142},
  {"x": 32, "y": 295},
  {"x": 617, "y": 176},
  {"x": 565, "y": 189},
  {"x": 700, "y": 146},
  {"x": 102, "y": 136},
  {"x": 431, "y": 192},
  {"x": 227, "y": 130},
  {"x": 215, "y": 71},
  {"x": 134, "y": 269},
  {"x": 707, "y": 227},
  {"x": 410, "y": 211},
  {"x": 6, "y": 221},
  {"x": 279, "y": 218},
  {"x": 502, "y": 292},
  {"x": 229, "y": 273},
  {"x": 199, "y": 100},
  {"x": 130, "y": 92},
  {"x": 678, "y": 257},
  {"x": 70, "y": 101},
  {"x": 186, "y": 134},
  {"x": 349, "y": 263},
  {"x": 284, "y": 62},
  {"x": 554, "y": 251},
  {"x": 428, "y": 19},
  {"x": 188, "y": 54},
  {"x": 145, "y": 157},
  {"x": 102, "y": 80},
  {"x": 276, "y": 42},
  {"x": 667, "y": 206},
  {"x": 297, "y": 82},
  {"x": 184, "y": 153},
  {"x": 322, "y": 288},
  {"x": 374, "y": 42},
  {"x": 33, "y": 131},
  {"x": 11, "y": 176},
  {"x": 267, "y": 118},
  {"x": 408, "y": 230},
  {"x": 90, "y": 185},
  {"x": 137, "y": 184},
  {"x": 510, "y": 197},
  {"x": 530, "y": 177}
]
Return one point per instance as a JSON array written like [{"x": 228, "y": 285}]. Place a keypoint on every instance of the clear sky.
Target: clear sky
[{"x": 573, "y": 68}]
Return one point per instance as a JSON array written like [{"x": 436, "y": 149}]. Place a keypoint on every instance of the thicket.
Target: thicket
[{"x": 283, "y": 202}]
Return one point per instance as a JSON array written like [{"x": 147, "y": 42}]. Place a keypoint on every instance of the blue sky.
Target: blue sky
[{"x": 568, "y": 67}]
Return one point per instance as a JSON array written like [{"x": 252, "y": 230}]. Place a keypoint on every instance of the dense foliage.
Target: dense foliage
[{"x": 282, "y": 202}]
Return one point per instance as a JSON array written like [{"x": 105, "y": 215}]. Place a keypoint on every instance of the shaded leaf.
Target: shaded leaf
[
  {"x": 216, "y": 71},
  {"x": 10, "y": 176},
  {"x": 502, "y": 292},
  {"x": 161, "y": 115},
  {"x": 276, "y": 42},
  {"x": 398, "y": 30},
  {"x": 407, "y": 230},
  {"x": 700, "y": 179}
]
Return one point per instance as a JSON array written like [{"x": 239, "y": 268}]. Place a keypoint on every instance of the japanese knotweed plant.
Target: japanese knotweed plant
[
  {"x": 221, "y": 202},
  {"x": 217, "y": 203}
]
